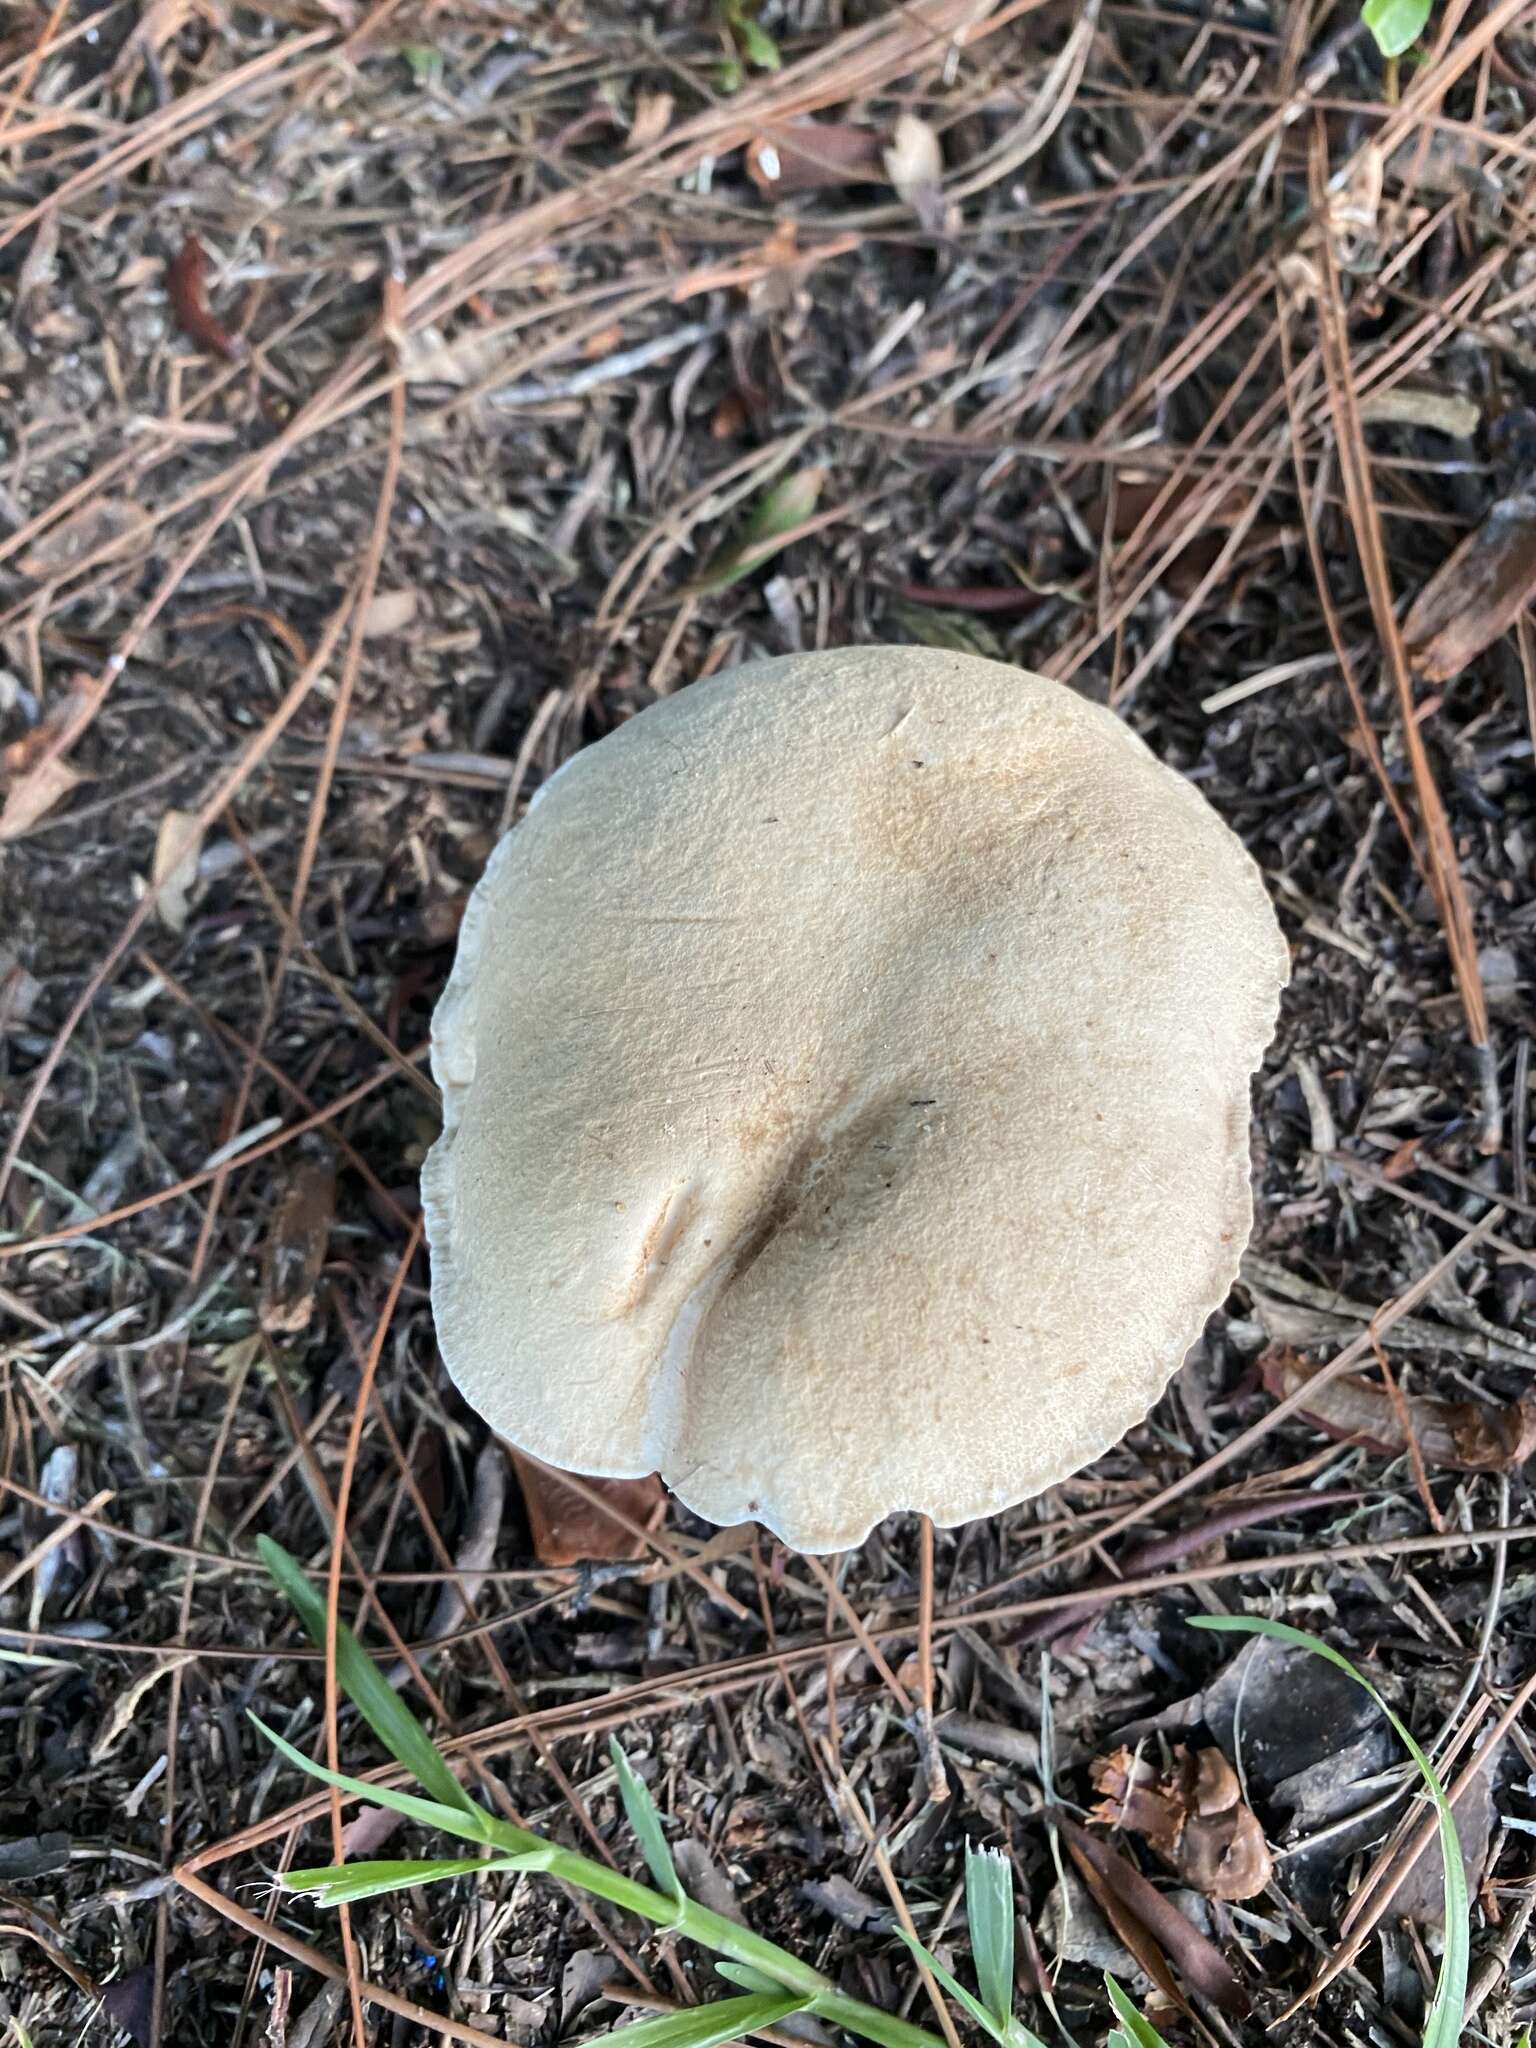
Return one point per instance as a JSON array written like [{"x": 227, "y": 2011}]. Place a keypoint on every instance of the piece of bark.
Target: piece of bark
[{"x": 1477, "y": 593}]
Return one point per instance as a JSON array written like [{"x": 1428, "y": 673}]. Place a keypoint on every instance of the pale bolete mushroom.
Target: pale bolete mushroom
[{"x": 845, "y": 1075}]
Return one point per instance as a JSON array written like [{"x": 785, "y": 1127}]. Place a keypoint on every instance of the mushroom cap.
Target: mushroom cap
[{"x": 845, "y": 1078}]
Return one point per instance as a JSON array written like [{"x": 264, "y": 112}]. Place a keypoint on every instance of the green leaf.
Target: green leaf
[
  {"x": 749, "y": 35},
  {"x": 1442, "y": 2028},
  {"x": 640, "y": 1808},
  {"x": 469, "y": 1825},
  {"x": 424, "y": 62},
  {"x": 705, "y": 2026},
  {"x": 368, "y": 1689},
  {"x": 1396, "y": 24},
  {"x": 757, "y": 46},
  {"x": 989, "y": 1911},
  {"x": 1135, "y": 2030},
  {"x": 777, "y": 514},
  {"x": 954, "y": 632},
  {"x": 344, "y": 1884}
]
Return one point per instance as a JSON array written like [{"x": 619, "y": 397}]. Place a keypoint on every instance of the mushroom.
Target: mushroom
[{"x": 845, "y": 1079}]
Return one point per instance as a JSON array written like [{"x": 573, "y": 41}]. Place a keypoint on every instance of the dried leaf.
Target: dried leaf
[
  {"x": 19, "y": 991},
  {"x": 129, "y": 2004},
  {"x": 1193, "y": 1815},
  {"x": 178, "y": 843},
  {"x": 39, "y": 264},
  {"x": 652, "y": 118},
  {"x": 390, "y": 611},
  {"x": 30, "y": 1856},
  {"x": 296, "y": 1247},
  {"x": 477, "y": 1543},
  {"x": 186, "y": 285},
  {"x": 1151, "y": 1926},
  {"x": 34, "y": 794},
  {"x": 1135, "y": 1798},
  {"x": 1477, "y": 594},
  {"x": 1452, "y": 1436},
  {"x": 934, "y": 626},
  {"x": 1094, "y": 1864},
  {"x": 812, "y": 156},
  {"x": 161, "y": 20},
  {"x": 568, "y": 1529},
  {"x": 914, "y": 163},
  {"x": 779, "y": 512}
]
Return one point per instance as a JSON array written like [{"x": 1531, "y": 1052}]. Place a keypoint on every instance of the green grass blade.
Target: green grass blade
[
  {"x": 367, "y": 1687},
  {"x": 1442, "y": 2028},
  {"x": 1135, "y": 2029},
  {"x": 989, "y": 1911},
  {"x": 705, "y": 2026},
  {"x": 957, "y": 1991},
  {"x": 1020, "y": 2036},
  {"x": 345, "y": 1884},
  {"x": 644, "y": 1818},
  {"x": 783, "y": 508},
  {"x": 468, "y": 1824}
]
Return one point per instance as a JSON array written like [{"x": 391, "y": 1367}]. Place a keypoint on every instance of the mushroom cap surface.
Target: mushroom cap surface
[{"x": 845, "y": 1077}]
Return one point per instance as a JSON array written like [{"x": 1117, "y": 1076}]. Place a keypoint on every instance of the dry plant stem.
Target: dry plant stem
[
  {"x": 333, "y": 1602},
  {"x": 1365, "y": 523},
  {"x": 1393, "y": 1872},
  {"x": 660, "y": 1695},
  {"x": 16, "y": 98},
  {"x": 173, "y": 1709},
  {"x": 1363, "y": 725},
  {"x": 247, "y": 1156},
  {"x": 223, "y": 789},
  {"x": 269, "y": 1934}
]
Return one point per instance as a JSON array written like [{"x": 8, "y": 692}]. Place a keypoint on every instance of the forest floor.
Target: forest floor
[{"x": 385, "y": 391}]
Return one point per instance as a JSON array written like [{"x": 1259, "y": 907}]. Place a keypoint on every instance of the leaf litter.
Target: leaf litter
[{"x": 592, "y": 277}]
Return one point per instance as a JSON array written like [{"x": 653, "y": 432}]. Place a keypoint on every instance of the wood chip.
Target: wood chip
[
  {"x": 811, "y": 156},
  {"x": 391, "y": 611},
  {"x": 914, "y": 163},
  {"x": 178, "y": 847},
  {"x": 33, "y": 795},
  {"x": 296, "y": 1247},
  {"x": 1477, "y": 594}
]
